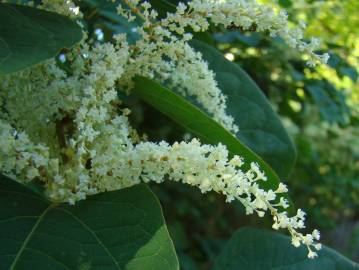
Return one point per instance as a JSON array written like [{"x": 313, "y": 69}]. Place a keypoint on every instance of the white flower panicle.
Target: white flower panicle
[
  {"x": 185, "y": 69},
  {"x": 118, "y": 163},
  {"x": 78, "y": 141},
  {"x": 244, "y": 14}
]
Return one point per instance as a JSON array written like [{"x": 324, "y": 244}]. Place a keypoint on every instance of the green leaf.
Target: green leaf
[
  {"x": 259, "y": 127},
  {"x": 285, "y": 3},
  {"x": 199, "y": 123},
  {"x": 163, "y": 7},
  {"x": 115, "y": 230},
  {"x": 350, "y": 72},
  {"x": 330, "y": 102},
  {"x": 29, "y": 36},
  {"x": 253, "y": 249},
  {"x": 251, "y": 39}
]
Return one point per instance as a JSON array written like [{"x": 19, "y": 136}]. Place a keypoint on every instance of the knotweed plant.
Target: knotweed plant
[{"x": 70, "y": 132}]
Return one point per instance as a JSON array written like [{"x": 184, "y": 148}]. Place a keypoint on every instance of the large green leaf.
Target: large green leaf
[
  {"x": 29, "y": 36},
  {"x": 199, "y": 123},
  {"x": 253, "y": 249},
  {"x": 115, "y": 230},
  {"x": 259, "y": 127}
]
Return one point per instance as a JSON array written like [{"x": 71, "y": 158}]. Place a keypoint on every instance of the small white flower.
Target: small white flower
[
  {"x": 316, "y": 234},
  {"x": 282, "y": 188},
  {"x": 312, "y": 254}
]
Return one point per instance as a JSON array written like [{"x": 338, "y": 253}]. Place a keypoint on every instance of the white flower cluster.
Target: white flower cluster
[
  {"x": 185, "y": 69},
  {"x": 22, "y": 159},
  {"x": 70, "y": 133},
  {"x": 243, "y": 14}
]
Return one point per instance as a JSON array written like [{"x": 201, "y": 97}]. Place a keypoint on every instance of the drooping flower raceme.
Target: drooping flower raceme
[{"x": 71, "y": 133}]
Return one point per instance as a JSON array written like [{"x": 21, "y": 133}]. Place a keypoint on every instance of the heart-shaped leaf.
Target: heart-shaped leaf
[{"x": 115, "y": 230}]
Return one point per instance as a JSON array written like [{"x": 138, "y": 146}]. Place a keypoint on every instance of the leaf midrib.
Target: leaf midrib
[
  {"x": 38, "y": 222},
  {"x": 28, "y": 238}
]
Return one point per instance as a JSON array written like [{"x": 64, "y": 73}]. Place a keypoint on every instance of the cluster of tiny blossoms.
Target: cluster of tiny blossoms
[
  {"x": 185, "y": 70},
  {"x": 78, "y": 141}
]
